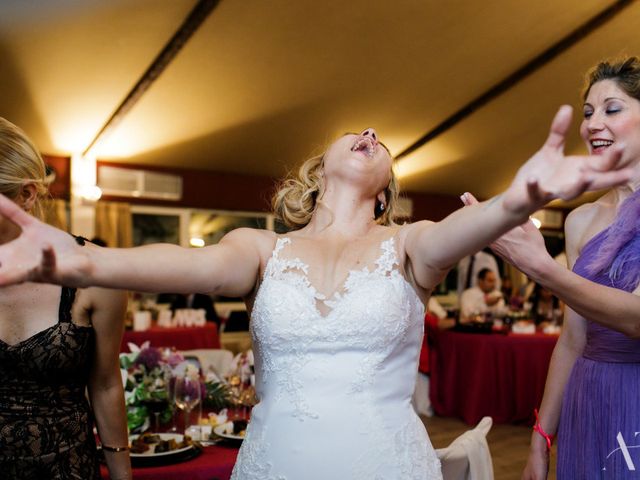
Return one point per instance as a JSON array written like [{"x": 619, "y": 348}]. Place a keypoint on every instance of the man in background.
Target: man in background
[
  {"x": 484, "y": 298},
  {"x": 469, "y": 267}
]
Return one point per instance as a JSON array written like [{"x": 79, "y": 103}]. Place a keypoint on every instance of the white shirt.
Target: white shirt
[
  {"x": 472, "y": 301},
  {"x": 482, "y": 260},
  {"x": 434, "y": 307}
]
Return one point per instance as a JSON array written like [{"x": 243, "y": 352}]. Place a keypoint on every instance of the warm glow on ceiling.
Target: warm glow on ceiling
[
  {"x": 72, "y": 136},
  {"x": 427, "y": 158}
]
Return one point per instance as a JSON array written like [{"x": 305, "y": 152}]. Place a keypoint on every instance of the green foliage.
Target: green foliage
[{"x": 217, "y": 396}]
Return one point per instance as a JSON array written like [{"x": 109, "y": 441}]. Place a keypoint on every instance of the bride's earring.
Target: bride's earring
[{"x": 378, "y": 210}]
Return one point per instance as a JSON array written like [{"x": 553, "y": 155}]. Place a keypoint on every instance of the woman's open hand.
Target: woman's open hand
[
  {"x": 550, "y": 174},
  {"x": 41, "y": 253}
]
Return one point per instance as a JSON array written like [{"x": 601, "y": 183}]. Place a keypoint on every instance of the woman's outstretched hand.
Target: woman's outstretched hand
[
  {"x": 41, "y": 253},
  {"x": 520, "y": 245},
  {"x": 549, "y": 174}
]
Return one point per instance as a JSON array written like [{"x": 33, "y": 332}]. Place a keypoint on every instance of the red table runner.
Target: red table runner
[
  {"x": 182, "y": 338},
  {"x": 502, "y": 376}
]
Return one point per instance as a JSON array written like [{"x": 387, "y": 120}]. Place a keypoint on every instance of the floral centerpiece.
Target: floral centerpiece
[{"x": 146, "y": 375}]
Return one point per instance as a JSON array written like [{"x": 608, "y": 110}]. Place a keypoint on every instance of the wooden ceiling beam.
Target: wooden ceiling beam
[
  {"x": 189, "y": 26},
  {"x": 530, "y": 67}
]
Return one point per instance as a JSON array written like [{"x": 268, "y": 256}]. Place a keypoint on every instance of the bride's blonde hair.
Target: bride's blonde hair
[
  {"x": 299, "y": 194},
  {"x": 21, "y": 164}
]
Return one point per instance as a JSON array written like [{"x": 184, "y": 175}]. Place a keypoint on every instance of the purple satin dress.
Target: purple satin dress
[{"x": 600, "y": 419}]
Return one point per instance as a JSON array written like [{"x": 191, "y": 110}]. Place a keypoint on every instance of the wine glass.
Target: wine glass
[
  {"x": 186, "y": 396},
  {"x": 156, "y": 405},
  {"x": 157, "y": 400}
]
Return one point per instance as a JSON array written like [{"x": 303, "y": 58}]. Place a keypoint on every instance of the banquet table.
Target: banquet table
[
  {"x": 182, "y": 338},
  {"x": 502, "y": 376},
  {"x": 214, "y": 463}
]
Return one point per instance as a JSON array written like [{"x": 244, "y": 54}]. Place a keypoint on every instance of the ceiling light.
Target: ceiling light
[{"x": 196, "y": 242}]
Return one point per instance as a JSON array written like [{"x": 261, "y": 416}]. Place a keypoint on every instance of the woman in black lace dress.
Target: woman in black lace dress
[{"x": 55, "y": 342}]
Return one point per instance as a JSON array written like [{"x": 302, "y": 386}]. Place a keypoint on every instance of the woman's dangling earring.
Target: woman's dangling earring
[{"x": 378, "y": 210}]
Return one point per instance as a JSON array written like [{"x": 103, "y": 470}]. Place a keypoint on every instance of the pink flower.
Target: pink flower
[{"x": 174, "y": 359}]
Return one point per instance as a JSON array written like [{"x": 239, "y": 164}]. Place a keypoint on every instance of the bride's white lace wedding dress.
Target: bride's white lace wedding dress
[{"x": 335, "y": 388}]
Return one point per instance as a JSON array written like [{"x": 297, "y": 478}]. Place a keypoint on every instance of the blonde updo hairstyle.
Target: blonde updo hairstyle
[
  {"x": 21, "y": 164},
  {"x": 299, "y": 195}
]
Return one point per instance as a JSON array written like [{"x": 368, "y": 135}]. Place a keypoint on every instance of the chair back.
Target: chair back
[
  {"x": 211, "y": 359},
  {"x": 468, "y": 456}
]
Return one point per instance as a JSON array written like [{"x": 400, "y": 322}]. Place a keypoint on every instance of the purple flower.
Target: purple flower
[
  {"x": 174, "y": 359},
  {"x": 149, "y": 357}
]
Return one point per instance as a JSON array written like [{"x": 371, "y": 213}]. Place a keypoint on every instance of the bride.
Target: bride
[{"x": 337, "y": 305}]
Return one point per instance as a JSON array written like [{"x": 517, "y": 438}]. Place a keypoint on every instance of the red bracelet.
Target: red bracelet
[{"x": 538, "y": 428}]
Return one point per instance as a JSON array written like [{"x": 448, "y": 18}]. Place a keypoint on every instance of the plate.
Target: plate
[
  {"x": 163, "y": 436},
  {"x": 221, "y": 431},
  {"x": 152, "y": 459}
]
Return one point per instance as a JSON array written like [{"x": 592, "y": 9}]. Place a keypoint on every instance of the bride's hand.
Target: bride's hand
[
  {"x": 549, "y": 174},
  {"x": 520, "y": 246},
  {"x": 41, "y": 253}
]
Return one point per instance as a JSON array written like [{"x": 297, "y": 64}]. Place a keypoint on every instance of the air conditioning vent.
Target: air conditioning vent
[{"x": 126, "y": 182}]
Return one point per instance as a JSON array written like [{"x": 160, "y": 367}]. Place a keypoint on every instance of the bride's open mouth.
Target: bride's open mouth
[{"x": 364, "y": 145}]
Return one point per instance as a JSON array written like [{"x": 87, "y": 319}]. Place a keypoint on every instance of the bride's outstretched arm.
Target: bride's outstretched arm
[
  {"x": 45, "y": 254},
  {"x": 524, "y": 248},
  {"x": 433, "y": 248}
]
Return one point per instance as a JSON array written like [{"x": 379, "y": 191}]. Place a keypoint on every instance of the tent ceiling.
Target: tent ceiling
[{"x": 262, "y": 85}]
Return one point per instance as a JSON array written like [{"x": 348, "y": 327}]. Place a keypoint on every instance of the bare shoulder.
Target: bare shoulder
[
  {"x": 103, "y": 308},
  {"x": 251, "y": 238},
  {"x": 408, "y": 230},
  {"x": 249, "y": 235},
  {"x": 587, "y": 220}
]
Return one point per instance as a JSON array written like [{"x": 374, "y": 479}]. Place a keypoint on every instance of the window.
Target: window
[{"x": 190, "y": 227}]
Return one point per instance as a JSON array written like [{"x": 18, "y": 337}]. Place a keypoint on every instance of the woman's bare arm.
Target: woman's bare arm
[
  {"x": 433, "y": 248},
  {"x": 569, "y": 347},
  {"x": 524, "y": 248},
  {"x": 105, "y": 383},
  {"x": 45, "y": 254}
]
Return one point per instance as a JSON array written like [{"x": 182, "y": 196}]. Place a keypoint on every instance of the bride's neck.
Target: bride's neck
[{"x": 343, "y": 212}]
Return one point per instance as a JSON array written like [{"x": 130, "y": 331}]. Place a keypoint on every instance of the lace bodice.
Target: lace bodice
[{"x": 335, "y": 376}]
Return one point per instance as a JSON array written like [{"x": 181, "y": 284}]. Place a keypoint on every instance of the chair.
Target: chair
[
  {"x": 468, "y": 456},
  {"x": 217, "y": 360},
  {"x": 421, "y": 401}
]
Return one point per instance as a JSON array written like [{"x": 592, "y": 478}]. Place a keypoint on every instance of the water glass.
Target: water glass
[{"x": 186, "y": 396}]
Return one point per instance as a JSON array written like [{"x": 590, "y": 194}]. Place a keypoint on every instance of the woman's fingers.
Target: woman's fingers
[
  {"x": 602, "y": 180},
  {"x": 468, "y": 199},
  {"x": 14, "y": 213},
  {"x": 559, "y": 128},
  {"x": 535, "y": 192},
  {"x": 48, "y": 263},
  {"x": 529, "y": 227},
  {"x": 12, "y": 276}
]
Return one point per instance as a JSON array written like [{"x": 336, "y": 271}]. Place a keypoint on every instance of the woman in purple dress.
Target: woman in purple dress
[{"x": 592, "y": 395}]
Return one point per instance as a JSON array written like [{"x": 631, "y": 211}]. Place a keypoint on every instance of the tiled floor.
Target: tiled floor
[{"x": 509, "y": 444}]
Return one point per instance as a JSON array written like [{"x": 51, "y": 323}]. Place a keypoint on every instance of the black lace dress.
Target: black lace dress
[{"x": 46, "y": 424}]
